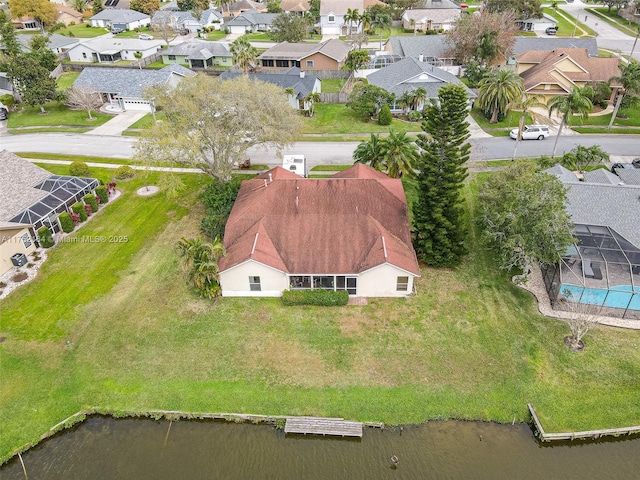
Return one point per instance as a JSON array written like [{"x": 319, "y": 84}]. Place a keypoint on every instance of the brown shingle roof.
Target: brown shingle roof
[
  {"x": 333, "y": 48},
  {"x": 320, "y": 226},
  {"x": 17, "y": 178},
  {"x": 294, "y": 5},
  {"x": 591, "y": 69}
]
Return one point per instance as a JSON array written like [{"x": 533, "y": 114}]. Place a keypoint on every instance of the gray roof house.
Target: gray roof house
[
  {"x": 301, "y": 82},
  {"x": 56, "y": 42},
  {"x": 210, "y": 18},
  {"x": 251, "y": 21},
  {"x": 120, "y": 18},
  {"x": 603, "y": 267},
  {"x": 630, "y": 176},
  {"x": 198, "y": 54},
  {"x": 123, "y": 88},
  {"x": 410, "y": 74}
]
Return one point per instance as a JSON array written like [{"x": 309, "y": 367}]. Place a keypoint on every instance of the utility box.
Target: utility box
[
  {"x": 19, "y": 259},
  {"x": 295, "y": 163}
]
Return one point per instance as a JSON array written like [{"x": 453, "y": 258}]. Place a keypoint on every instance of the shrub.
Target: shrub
[
  {"x": 66, "y": 222},
  {"x": 78, "y": 208},
  {"x": 319, "y": 297},
  {"x": 88, "y": 209},
  {"x": 90, "y": 199},
  {"x": 45, "y": 238},
  {"x": 7, "y": 100},
  {"x": 79, "y": 169},
  {"x": 75, "y": 218},
  {"x": 414, "y": 116},
  {"x": 123, "y": 172},
  {"x": 218, "y": 199},
  {"x": 384, "y": 117},
  {"x": 101, "y": 192}
]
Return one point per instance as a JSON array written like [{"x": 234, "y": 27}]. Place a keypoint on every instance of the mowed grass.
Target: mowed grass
[
  {"x": 338, "y": 119},
  {"x": 57, "y": 115},
  {"x": 468, "y": 345},
  {"x": 65, "y": 81}
]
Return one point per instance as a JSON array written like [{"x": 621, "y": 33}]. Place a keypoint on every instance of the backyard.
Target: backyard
[
  {"x": 335, "y": 118},
  {"x": 126, "y": 334}
]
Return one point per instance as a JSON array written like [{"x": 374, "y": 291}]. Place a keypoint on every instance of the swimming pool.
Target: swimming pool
[{"x": 618, "y": 296}]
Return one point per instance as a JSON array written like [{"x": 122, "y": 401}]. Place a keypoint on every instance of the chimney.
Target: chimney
[
  {"x": 270, "y": 178},
  {"x": 421, "y": 58},
  {"x": 301, "y": 73}
]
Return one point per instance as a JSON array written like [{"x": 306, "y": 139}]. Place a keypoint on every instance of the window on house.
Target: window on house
[
  {"x": 309, "y": 63},
  {"x": 267, "y": 63},
  {"x": 84, "y": 55},
  {"x": 254, "y": 284},
  {"x": 171, "y": 57},
  {"x": 402, "y": 284},
  {"x": 331, "y": 18},
  {"x": 282, "y": 63},
  {"x": 26, "y": 240}
]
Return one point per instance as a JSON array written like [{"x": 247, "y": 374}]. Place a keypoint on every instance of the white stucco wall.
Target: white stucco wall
[
  {"x": 381, "y": 281},
  {"x": 235, "y": 281}
]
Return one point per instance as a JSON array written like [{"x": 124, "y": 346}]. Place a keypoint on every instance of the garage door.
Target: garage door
[
  {"x": 331, "y": 30},
  {"x": 137, "y": 105}
]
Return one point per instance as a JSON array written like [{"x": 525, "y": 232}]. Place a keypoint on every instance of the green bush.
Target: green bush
[
  {"x": 7, "y": 100},
  {"x": 218, "y": 199},
  {"x": 101, "y": 192},
  {"x": 90, "y": 199},
  {"x": 66, "y": 222},
  {"x": 45, "y": 238},
  {"x": 79, "y": 209},
  {"x": 324, "y": 298},
  {"x": 123, "y": 172},
  {"x": 79, "y": 169},
  {"x": 414, "y": 116},
  {"x": 384, "y": 117}
]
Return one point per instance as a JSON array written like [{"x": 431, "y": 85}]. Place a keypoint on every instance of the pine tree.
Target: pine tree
[{"x": 438, "y": 223}]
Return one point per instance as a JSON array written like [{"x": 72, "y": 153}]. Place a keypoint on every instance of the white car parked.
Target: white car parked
[
  {"x": 531, "y": 132},
  {"x": 145, "y": 36}
]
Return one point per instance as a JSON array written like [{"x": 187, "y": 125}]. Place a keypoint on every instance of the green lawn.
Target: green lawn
[
  {"x": 147, "y": 121},
  {"x": 632, "y": 120},
  {"x": 612, "y": 18},
  {"x": 502, "y": 128},
  {"x": 337, "y": 118},
  {"x": 71, "y": 158},
  {"x": 567, "y": 24},
  {"x": 330, "y": 168},
  {"x": 58, "y": 115},
  {"x": 66, "y": 80},
  {"x": 82, "y": 30},
  {"x": 469, "y": 345},
  {"x": 333, "y": 85},
  {"x": 258, "y": 37},
  {"x": 215, "y": 35}
]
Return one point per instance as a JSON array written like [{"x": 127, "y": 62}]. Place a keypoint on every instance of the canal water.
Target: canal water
[{"x": 105, "y": 448}]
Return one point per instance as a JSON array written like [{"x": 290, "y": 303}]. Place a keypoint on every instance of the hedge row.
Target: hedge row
[
  {"x": 90, "y": 199},
  {"x": 79, "y": 209},
  {"x": 324, "y": 298},
  {"x": 101, "y": 192},
  {"x": 66, "y": 222}
]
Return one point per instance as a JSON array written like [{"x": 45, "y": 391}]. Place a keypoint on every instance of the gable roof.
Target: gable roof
[
  {"x": 195, "y": 49},
  {"x": 252, "y": 17},
  {"x": 116, "y": 44},
  {"x": 246, "y": 5},
  {"x": 162, "y": 16},
  {"x": 288, "y": 79},
  {"x": 340, "y": 225},
  {"x": 409, "y": 74},
  {"x": 333, "y": 48},
  {"x": 437, "y": 15},
  {"x": 340, "y": 7},
  {"x": 119, "y": 15},
  {"x": 525, "y": 44},
  {"x": 601, "y": 175},
  {"x": 18, "y": 177},
  {"x": 295, "y": 5},
  {"x": 437, "y": 4},
  {"x": 128, "y": 82},
  {"x": 61, "y": 8},
  {"x": 630, "y": 176},
  {"x": 55, "y": 40},
  {"x": 548, "y": 63}
]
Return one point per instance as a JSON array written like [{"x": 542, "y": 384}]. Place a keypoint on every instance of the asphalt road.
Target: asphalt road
[{"x": 318, "y": 152}]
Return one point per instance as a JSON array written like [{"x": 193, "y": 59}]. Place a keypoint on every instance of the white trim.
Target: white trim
[
  {"x": 256, "y": 261},
  {"x": 391, "y": 264}
]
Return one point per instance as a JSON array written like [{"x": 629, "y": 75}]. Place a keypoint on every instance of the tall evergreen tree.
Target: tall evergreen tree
[{"x": 438, "y": 223}]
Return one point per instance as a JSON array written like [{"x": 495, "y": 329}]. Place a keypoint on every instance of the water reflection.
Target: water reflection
[{"x": 104, "y": 448}]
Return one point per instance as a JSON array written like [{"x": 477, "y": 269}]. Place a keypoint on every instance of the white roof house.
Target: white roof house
[
  {"x": 101, "y": 50},
  {"x": 120, "y": 18}
]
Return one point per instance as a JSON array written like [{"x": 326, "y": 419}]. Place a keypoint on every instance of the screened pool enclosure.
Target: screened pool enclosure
[{"x": 601, "y": 269}]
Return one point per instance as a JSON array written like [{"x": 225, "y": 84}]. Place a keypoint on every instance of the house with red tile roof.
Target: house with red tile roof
[
  {"x": 346, "y": 232},
  {"x": 550, "y": 73}
]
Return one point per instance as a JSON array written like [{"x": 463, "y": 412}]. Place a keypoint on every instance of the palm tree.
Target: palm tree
[
  {"x": 381, "y": 21},
  {"x": 399, "y": 154},
  {"x": 525, "y": 104},
  {"x": 406, "y": 100},
  {"x": 497, "y": 90},
  {"x": 630, "y": 80},
  {"x": 200, "y": 261},
  {"x": 370, "y": 152},
  {"x": 352, "y": 16},
  {"x": 243, "y": 53},
  {"x": 577, "y": 102},
  {"x": 419, "y": 97},
  {"x": 365, "y": 20},
  {"x": 311, "y": 99}
]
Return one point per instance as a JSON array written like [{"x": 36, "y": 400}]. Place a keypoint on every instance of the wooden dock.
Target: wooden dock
[
  {"x": 338, "y": 427},
  {"x": 588, "y": 435}
]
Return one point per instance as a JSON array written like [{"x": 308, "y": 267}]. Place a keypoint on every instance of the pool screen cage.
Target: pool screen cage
[
  {"x": 601, "y": 269},
  {"x": 64, "y": 191}
]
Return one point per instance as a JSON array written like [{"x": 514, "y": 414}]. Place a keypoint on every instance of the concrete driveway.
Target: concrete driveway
[{"x": 117, "y": 124}]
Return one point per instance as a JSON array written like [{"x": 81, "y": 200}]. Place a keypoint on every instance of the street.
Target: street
[{"x": 318, "y": 152}]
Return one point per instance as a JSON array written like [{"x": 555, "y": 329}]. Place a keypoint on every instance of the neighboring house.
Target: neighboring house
[
  {"x": 120, "y": 18},
  {"x": 125, "y": 87},
  {"x": 242, "y": 6},
  {"x": 332, "y": 14},
  {"x": 346, "y": 232},
  {"x": 25, "y": 23},
  {"x": 434, "y": 15},
  {"x": 410, "y": 74},
  {"x": 30, "y": 195},
  {"x": 57, "y": 43},
  {"x": 109, "y": 50},
  {"x": 328, "y": 55},
  {"x": 251, "y": 21},
  {"x": 295, "y": 6},
  {"x": 185, "y": 20},
  {"x": 68, "y": 15},
  {"x": 433, "y": 48},
  {"x": 603, "y": 267},
  {"x": 15, "y": 239},
  {"x": 525, "y": 44},
  {"x": 198, "y": 54},
  {"x": 302, "y": 83},
  {"x": 537, "y": 24},
  {"x": 547, "y": 74}
]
